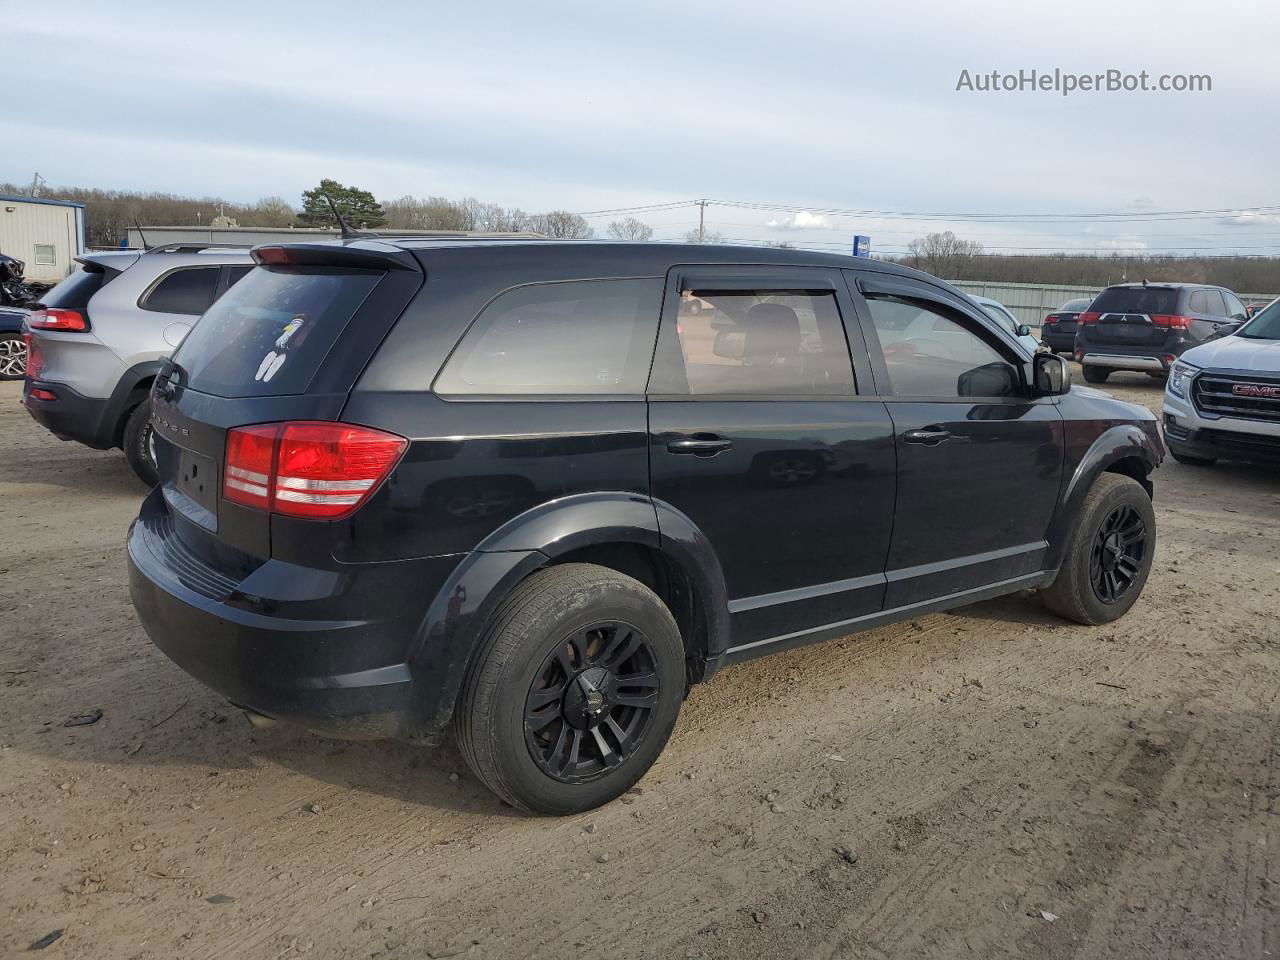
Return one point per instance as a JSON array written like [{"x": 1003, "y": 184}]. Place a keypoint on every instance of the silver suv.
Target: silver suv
[{"x": 99, "y": 337}]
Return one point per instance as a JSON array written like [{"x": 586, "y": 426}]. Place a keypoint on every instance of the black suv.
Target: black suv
[
  {"x": 534, "y": 490},
  {"x": 1146, "y": 326}
]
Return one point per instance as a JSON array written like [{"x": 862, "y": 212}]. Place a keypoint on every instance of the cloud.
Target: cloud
[
  {"x": 804, "y": 220},
  {"x": 1246, "y": 219}
]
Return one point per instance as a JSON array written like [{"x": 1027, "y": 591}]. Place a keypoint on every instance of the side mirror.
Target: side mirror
[
  {"x": 1052, "y": 375},
  {"x": 1022, "y": 330}
]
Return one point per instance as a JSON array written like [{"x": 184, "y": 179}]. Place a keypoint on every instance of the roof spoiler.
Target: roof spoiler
[{"x": 369, "y": 255}]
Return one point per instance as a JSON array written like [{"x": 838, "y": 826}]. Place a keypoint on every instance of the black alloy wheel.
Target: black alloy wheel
[
  {"x": 592, "y": 702},
  {"x": 1118, "y": 551}
]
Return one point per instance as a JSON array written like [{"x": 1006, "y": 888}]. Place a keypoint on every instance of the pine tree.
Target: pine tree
[{"x": 357, "y": 206}]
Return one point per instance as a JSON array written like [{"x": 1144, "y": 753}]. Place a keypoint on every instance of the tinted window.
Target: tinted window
[
  {"x": 931, "y": 352},
  {"x": 1075, "y": 306},
  {"x": 773, "y": 342},
  {"x": 235, "y": 274},
  {"x": 74, "y": 291},
  {"x": 1235, "y": 309},
  {"x": 580, "y": 337},
  {"x": 267, "y": 335},
  {"x": 1198, "y": 302},
  {"x": 1217, "y": 307},
  {"x": 183, "y": 291},
  {"x": 1146, "y": 300}
]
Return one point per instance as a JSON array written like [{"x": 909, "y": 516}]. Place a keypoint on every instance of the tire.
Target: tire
[
  {"x": 1094, "y": 374},
  {"x": 13, "y": 356},
  {"x": 138, "y": 446},
  {"x": 1073, "y": 593},
  {"x": 542, "y": 631},
  {"x": 1192, "y": 461}
]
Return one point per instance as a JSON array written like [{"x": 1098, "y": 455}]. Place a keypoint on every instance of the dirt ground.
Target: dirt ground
[{"x": 989, "y": 783}]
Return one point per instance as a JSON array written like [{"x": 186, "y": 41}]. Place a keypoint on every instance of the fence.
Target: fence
[{"x": 1029, "y": 302}]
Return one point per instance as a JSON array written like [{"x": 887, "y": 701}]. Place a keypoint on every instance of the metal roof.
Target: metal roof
[{"x": 48, "y": 201}]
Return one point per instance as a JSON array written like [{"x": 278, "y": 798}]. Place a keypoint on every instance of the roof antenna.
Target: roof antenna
[
  {"x": 345, "y": 231},
  {"x": 143, "y": 236}
]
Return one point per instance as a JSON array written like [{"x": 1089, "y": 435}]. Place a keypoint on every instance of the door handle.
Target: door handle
[
  {"x": 929, "y": 436},
  {"x": 699, "y": 446}
]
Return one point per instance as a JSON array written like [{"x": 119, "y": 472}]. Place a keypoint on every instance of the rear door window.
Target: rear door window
[
  {"x": 188, "y": 291},
  {"x": 1148, "y": 300},
  {"x": 578, "y": 337},
  {"x": 268, "y": 335},
  {"x": 1217, "y": 307}
]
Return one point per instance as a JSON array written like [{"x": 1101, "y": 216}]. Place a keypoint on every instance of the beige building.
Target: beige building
[{"x": 45, "y": 234}]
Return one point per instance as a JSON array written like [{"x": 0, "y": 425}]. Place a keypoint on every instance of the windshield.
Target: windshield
[
  {"x": 1264, "y": 326},
  {"x": 1075, "y": 306},
  {"x": 1001, "y": 316}
]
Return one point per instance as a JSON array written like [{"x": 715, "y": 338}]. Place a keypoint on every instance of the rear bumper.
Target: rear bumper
[
  {"x": 345, "y": 676},
  {"x": 87, "y": 420},
  {"x": 1120, "y": 360},
  {"x": 1058, "y": 342}
]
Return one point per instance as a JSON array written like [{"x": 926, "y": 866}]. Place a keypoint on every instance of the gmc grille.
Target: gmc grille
[{"x": 1215, "y": 394}]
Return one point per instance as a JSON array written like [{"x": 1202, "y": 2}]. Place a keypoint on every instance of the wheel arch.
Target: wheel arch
[
  {"x": 626, "y": 532},
  {"x": 131, "y": 389},
  {"x": 1124, "y": 449}
]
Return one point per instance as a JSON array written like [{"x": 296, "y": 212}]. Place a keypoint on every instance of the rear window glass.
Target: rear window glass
[
  {"x": 188, "y": 291},
  {"x": 74, "y": 291},
  {"x": 1137, "y": 300},
  {"x": 268, "y": 334},
  {"x": 576, "y": 337},
  {"x": 1075, "y": 306}
]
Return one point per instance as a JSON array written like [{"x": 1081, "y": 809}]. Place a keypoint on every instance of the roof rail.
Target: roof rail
[{"x": 189, "y": 246}]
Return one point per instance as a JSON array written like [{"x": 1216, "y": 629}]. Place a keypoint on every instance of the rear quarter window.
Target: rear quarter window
[
  {"x": 576, "y": 337},
  {"x": 268, "y": 334}
]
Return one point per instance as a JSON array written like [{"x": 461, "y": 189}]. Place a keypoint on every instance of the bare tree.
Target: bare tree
[
  {"x": 943, "y": 254},
  {"x": 630, "y": 229},
  {"x": 562, "y": 225},
  {"x": 706, "y": 236},
  {"x": 269, "y": 212}
]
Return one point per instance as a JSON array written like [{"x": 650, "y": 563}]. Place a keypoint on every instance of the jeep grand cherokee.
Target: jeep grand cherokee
[{"x": 526, "y": 490}]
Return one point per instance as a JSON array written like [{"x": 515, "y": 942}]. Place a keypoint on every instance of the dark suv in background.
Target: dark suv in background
[
  {"x": 1058, "y": 331},
  {"x": 1146, "y": 326},
  {"x": 534, "y": 490}
]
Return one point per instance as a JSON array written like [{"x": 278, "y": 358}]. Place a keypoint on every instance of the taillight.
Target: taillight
[
  {"x": 1089, "y": 317},
  {"x": 1051, "y": 319},
  {"x": 55, "y": 318},
  {"x": 46, "y": 395},
  {"x": 35, "y": 362},
  {"x": 1171, "y": 321},
  {"x": 316, "y": 470}
]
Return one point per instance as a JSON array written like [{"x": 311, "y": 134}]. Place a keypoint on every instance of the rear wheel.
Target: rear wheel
[
  {"x": 574, "y": 691},
  {"x": 13, "y": 356},
  {"x": 139, "y": 444},
  {"x": 1192, "y": 461},
  {"x": 1109, "y": 555},
  {"x": 1094, "y": 374}
]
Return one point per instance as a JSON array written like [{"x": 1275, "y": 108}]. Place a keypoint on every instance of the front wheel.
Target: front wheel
[
  {"x": 574, "y": 690},
  {"x": 139, "y": 444},
  {"x": 1094, "y": 374},
  {"x": 1109, "y": 554}
]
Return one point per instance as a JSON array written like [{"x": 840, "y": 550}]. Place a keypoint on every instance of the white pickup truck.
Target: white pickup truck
[{"x": 1222, "y": 399}]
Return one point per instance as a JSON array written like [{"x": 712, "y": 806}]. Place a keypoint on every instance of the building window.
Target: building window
[{"x": 46, "y": 255}]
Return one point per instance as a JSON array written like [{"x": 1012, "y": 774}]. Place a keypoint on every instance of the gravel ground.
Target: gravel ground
[{"x": 989, "y": 783}]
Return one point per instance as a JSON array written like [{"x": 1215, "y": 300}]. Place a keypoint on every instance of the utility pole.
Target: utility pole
[
  {"x": 36, "y": 180},
  {"x": 702, "y": 219}
]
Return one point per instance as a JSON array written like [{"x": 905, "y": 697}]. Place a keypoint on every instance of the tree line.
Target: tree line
[{"x": 947, "y": 256}]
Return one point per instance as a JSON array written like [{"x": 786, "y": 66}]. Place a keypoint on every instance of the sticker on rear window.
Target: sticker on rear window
[{"x": 274, "y": 359}]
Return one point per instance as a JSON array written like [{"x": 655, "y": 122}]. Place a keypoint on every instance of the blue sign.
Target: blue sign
[{"x": 861, "y": 246}]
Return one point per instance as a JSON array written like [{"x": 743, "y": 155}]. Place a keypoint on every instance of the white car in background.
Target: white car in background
[
  {"x": 1000, "y": 313},
  {"x": 1222, "y": 398}
]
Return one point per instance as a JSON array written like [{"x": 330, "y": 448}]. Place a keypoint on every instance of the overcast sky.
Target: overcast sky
[{"x": 601, "y": 105}]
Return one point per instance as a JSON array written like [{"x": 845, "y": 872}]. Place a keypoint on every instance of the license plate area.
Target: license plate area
[{"x": 190, "y": 483}]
